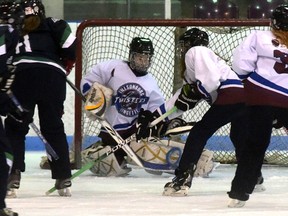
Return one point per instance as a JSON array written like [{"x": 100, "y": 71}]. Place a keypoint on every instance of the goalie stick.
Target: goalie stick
[
  {"x": 49, "y": 150},
  {"x": 113, "y": 133},
  {"x": 115, "y": 148}
]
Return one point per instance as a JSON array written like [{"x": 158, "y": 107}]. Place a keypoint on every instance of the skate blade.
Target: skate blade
[
  {"x": 11, "y": 193},
  {"x": 66, "y": 192},
  {"x": 172, "y": 192},
  {"x": 234, "y": 203}
]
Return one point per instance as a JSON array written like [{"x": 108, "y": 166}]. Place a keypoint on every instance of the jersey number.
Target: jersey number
[{"x": 24, "y": 46}]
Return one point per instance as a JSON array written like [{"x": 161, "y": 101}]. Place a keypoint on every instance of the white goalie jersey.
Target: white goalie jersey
[{"x": 130, "y": 92}]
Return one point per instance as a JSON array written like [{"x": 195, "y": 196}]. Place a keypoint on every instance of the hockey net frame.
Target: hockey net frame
[{"x": 94, "y": 44}]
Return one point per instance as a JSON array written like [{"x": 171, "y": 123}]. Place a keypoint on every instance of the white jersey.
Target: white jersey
[
  {"x": 130, "y": 92},
  {"x": 263, "y": 61},
  {"x": 213, "y": 76}
]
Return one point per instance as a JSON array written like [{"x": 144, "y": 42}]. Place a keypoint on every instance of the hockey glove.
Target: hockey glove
[
  {"x": 145, "y": 117},
  {"x": 68, "y": 64},
  {"x": 188, "y": 98},
  {"x": 19, "y": 116},
  {"x": 7, "y": 79}
]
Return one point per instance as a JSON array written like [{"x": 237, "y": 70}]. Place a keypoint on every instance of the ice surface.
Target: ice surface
[{"x": 140, "y": 194}]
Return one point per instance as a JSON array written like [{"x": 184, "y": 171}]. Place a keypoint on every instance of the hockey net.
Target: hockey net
[{"x": 100, "y": 40}]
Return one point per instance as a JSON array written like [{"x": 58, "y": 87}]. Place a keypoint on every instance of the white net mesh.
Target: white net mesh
[{"x": 101, "y": 42}]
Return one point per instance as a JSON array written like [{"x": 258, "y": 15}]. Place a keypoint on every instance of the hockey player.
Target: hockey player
[
  {"x": 129, "y": 88},
  {"x": 10, "y": 14},
  {"x": 44, "y": 57},
  {"x": 207, "y": 77},
  {"x": 261, "y": 59}
]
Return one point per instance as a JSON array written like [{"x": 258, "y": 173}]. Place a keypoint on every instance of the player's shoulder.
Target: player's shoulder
[
  {"x": 260, "y": 34},
  {"x": 4, "y": 28},
  {"x": 200, "y": 52},
  {"x": 113, "y": 62},
  {"x": 55, "y": 23},
  {"x": 151, "y": 79}
]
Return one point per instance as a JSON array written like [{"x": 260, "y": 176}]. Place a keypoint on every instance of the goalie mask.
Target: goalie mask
[
  {"x": 33, "y": 7},
  {"x": 140, "y": 55},
  {"x": 279, "y": 18},
  {"x": 190, "y": 38}
]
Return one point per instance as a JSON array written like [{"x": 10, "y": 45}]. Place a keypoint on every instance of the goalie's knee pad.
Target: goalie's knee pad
[
  {"x": 205, "y": 164},
  {"x": 109, "y": 166}
]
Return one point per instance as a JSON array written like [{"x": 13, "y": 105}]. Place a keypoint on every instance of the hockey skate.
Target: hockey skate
[
  {"x": 237, "y": 200},
  {"x": 7, "y": 212},
  {"x": 235, "y": 203},
  {"x": 13, "y": 184},
  {"x": 180, "y": 183},
  {"x": 259, "y": 187},
  {"x": 63, "y": 187}
]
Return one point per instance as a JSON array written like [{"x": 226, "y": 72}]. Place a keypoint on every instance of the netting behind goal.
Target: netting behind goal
[{"x": 100, "y": 40}]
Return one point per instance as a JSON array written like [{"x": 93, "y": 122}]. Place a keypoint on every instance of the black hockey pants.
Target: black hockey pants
[
  {"x": 46, "y": 88},
  {"x": 216, "y": 117},
  {"x": 257, "y": 142}
]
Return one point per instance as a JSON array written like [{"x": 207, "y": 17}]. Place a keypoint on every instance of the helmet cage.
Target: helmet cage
[
  {"x": 140, "y": 54},
  {"x": 5, "y": 11},
  {"x": 11, "y": 13},
  {"x": 140, "y": 62},
  {"x": 33, "y": 7}
]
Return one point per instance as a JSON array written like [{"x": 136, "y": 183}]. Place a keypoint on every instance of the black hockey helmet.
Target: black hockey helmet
[
  {"x": 33, "y": 7},
  {"x": 194, "y": 37},
  {"x": 279, "y": 18},
  {"x": 140, "y": 54},
  {"x": 5, "y": 13},
  {"x": 11, "y": 13},
  {"x": 141, "y": 45}
]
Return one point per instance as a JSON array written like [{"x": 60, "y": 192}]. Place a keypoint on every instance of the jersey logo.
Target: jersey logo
[{"x": 129, "y": 99}]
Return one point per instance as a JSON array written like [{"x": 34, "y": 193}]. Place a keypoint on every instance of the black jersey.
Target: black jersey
[{"x": 49, "y": 44}]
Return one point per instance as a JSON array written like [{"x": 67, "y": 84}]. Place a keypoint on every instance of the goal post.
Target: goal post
[{"x": 103, "y": 39}]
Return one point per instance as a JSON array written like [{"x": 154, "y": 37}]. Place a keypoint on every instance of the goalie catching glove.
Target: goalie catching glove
[
  {"x": 145, "y": 117},
  {"x": 97, "y": 100},
  {"x": 188, "y": 97}
]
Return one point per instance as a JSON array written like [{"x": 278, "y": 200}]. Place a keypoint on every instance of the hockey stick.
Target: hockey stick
[
  {"x": 159, "y": 119},
  {"x": 49, "y": 150},
  {"x": 113, "y": 149},
  {"x": 99, "y": 159},
  {"x": 113, "y": 133}
]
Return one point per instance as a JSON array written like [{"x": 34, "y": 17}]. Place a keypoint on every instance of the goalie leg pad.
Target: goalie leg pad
[
  {"x": 156, "y": 156},
  {"x": 205, "y": 164},
  {"x": 44, "y": 163},
  {"x": 109, "y": 166}
]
